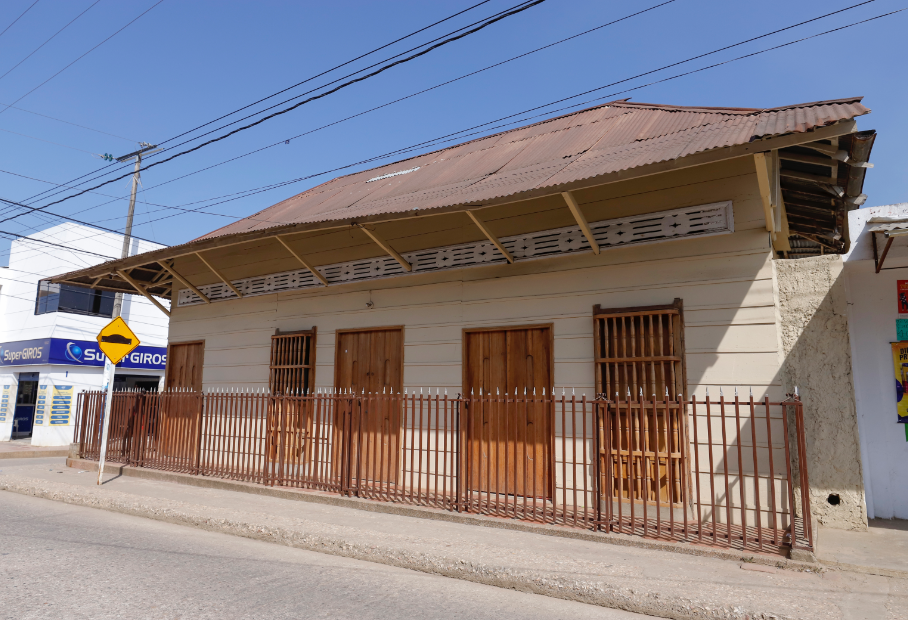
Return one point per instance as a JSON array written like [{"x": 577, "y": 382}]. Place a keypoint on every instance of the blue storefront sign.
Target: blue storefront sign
[{"x": 76, "y": 353}]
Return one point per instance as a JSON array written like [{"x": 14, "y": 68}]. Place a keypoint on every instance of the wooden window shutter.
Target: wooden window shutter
[
  {"x": 292, "y": 362},
  {"x": 640, "y": 349}
]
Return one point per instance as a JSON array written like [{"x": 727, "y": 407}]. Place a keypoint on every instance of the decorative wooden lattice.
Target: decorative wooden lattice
[{"x": 699, "y": 221}]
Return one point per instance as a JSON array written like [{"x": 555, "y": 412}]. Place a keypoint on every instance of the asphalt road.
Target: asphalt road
[{"x": 61, "y": 561}]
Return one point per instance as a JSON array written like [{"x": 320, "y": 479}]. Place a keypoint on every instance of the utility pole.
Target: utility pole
[
  {"x": 110, "y": 369},
  {"x": 127, "y": 234}
]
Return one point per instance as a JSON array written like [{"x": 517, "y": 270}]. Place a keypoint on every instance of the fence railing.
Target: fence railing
[{"x": 722, "y": 473}]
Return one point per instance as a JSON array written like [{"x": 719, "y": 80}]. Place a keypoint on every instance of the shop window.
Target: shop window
[
  {"x": 292, "y": 368},
  {"x": 73, "y": 299}
]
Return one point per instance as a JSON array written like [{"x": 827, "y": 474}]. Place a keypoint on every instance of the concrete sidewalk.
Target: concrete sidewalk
[
  {"x": 23, "y": 449},
  {"x": 649, "y": 581}
]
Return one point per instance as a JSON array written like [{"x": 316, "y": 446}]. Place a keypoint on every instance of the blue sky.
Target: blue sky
[{"x": 186, "y": 63}]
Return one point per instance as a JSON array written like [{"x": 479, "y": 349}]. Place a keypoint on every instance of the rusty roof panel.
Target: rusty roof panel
[{"x": 581, "y": 145}]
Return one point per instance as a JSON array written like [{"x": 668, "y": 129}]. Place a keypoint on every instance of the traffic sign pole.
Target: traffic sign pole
[
  {"x": 116, "y": 341},
  {"x": 109, "y": 369}
]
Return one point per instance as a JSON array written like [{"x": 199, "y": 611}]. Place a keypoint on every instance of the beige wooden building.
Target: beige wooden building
[{"x": 624, "y": 249}]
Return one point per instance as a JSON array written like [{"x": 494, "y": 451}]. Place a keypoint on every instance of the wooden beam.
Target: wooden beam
[
  {"x": 809, "y": 159},
  {"x": 581, "y": 220},
  {"x": 142, "y": 290},
  {"x": 482, "y": 227},
  {"x": 315, "y": 272},
  {"x": 806, "y": 176},
  {"x": 879, "y": 264},
  {"x": 184, "y": 281},
  {"x": 219, "y": 275},
  {"x": 762, "y": 166},
  {"x": 387, "y": 248}
]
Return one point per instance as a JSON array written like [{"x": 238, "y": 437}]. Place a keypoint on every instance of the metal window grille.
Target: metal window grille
[
  {"x": 292, "y": 367},
  {"x": 640, "y": 355}
]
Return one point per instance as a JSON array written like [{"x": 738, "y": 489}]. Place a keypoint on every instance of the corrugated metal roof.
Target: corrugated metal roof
[{"x": 590, "y": 143}]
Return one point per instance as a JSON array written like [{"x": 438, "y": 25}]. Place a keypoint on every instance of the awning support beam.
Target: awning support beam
[
  {"x": 879, "y": 261},
  {"x": 142, "y": 290},
  {"x": 176, "y": 275},
  {"x": 482, "y": 227},
  {"x": 581, "y": 220},
  {"x": 387, "y": 248},
  {"x": 219, "y": 275},
  {"x": 315, "y": 272}
]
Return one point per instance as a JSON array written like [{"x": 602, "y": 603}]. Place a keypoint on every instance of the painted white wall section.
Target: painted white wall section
[
  {"x": 31, "y": 261},
  {"x": 873, "y": 311}
]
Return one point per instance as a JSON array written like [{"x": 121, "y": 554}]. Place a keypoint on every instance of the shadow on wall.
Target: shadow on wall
[{"x": 813, "y": 318}]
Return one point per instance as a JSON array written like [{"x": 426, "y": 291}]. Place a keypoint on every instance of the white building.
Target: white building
[
  {"x": 48, "y": 347},
  {"x": 874, "y": 309}
]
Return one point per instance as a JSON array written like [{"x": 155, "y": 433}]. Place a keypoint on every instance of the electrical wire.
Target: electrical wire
[
  {"x": 14, "y": 236},
  {"x": 66, "y": 146},
  {"x": 30, "y": 7},
  {"x": 437, "y": 43},
  {"x": 60, "y": 120},
  {"x": 453, "y": 136},
  {"x": 70, "y": 23},
  {"x": 384, "y": 105},
  {"x": 425, "y": 143},
  {"x": 415, "y": 32},
  {"x": 80, "y": 57},
  {"x": 449, "y": 137}
]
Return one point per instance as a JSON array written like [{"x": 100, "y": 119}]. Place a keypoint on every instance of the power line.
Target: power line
[
  {"x": 30, "y": 7},
  {"x": 443, "y": 41},
  {"x": 299, "y": 83},
  {"x": 66, "y": 146},
  {"x": 79, "y": 58},
  {"x": 33, "y": 209},
  {"x": 453, "y": 136},
  {"x": 70, "y": 23},
  {"x": 448, "y": 137},
  {"x": 384, "y": 105},
  {"x": 65, "y": 247},
  {"x": 60, "y": 120},
  {"x": 425, "y": 143}
]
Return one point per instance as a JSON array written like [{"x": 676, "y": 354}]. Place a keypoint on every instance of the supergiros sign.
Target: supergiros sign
[{"x": 76, "y": 353}]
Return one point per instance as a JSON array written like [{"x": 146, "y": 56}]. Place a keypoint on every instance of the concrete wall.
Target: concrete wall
[
  {"x": 814, "y": 343},
  {"x": 872, "y": 315}
]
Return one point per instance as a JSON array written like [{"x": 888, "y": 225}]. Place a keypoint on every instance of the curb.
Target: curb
[
  {"x": 420, "y": 512},
  {"x": 34, "y": 454},
  {"x": 549, "y": 583}
]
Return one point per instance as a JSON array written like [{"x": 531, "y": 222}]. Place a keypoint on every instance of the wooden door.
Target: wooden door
[
  {"x": 179, "y": 415},
  {"x": 184, "y": 365},
  {"x": 509, "y": 444},
  {"x": 370, "y": 363}
]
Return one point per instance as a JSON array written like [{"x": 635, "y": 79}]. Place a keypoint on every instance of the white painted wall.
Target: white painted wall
[
  {"x": 872, "y": 314},
  {"x": 30, "y": 261}
]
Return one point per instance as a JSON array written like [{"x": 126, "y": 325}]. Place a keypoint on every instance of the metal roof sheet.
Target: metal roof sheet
[{"x": 590, "y": 143}]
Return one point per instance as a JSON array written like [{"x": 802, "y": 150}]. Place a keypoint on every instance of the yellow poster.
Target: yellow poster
[
  {"x": 41, "y": 407},
  {"x": 900, "y": 362},
  {"x": 61, "y": 405}
]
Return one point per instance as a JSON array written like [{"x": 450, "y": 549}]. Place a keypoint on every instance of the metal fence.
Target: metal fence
[{"x": 730, "y": 474}]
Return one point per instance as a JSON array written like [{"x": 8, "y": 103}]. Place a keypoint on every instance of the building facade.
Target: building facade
[
  {"x": 48, "y": 350},
  {"x": 876, "y": 307},
  {"x": 620, "y": 251}
]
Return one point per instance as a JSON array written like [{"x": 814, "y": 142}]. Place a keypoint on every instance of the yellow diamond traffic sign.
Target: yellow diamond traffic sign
[{"x": 117, "y": 340}]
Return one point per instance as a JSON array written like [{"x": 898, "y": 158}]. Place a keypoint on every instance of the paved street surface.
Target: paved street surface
[{"x": 63, "y": 561}]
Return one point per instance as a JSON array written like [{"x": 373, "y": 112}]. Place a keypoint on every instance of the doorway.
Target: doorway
[
  {"x": 510, "y": 443},
  {"x": 371, "y": 361},
  {"x": 26, "y": 398},
  {"x": 184, "y": 365}
]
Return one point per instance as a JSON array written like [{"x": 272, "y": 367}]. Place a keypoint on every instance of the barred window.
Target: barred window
[{"x": 292, "y": 362}]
